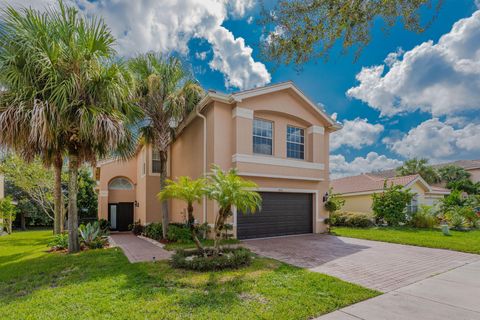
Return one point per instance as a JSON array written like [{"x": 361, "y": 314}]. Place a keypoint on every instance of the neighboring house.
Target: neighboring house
[
  {"x": 358, "y": 190},
  {"x": 472, "y": 166},
  {"x": 274, "y": 136}
]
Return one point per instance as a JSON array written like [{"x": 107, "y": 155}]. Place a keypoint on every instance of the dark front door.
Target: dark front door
[
  {"x": 282, "y": 214},
  {"x": 120, "y": 215}
]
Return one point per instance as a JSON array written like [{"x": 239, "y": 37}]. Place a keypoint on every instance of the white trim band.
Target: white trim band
[
  {"x": 316, "y": 129},
  {"x": 277, "y": 176},
  {"x": 277, "y": 161},
  {"x": 242, "y": 113}
]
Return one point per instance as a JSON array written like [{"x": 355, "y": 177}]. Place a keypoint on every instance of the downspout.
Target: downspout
[{"x": 197, "y": 111}]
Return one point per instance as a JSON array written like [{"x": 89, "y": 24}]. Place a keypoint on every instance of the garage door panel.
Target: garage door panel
[{"x": 281, "y": 214}]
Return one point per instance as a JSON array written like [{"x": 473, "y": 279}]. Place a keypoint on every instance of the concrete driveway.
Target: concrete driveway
[{"x": 372, "y": 264}]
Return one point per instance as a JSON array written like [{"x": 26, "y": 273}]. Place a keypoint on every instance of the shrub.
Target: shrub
[
  {"x": 389, "y": 206},
  {"x": 455, "y": 220},
  {"x": 178, "y": 233},
  {"x": 203, "y": 230},
  {"x": 137, "y": 228},
  {"x": 334, "y": 202},
  {"x": 104, "y": 226},
  {"x": 423, "y": 218},
  {"x": 227, "y": 259},
  {"x": 351, "y": 219},
  {"x": 154, "y": 231},
  {"x": 59, "y": 242},
  {"x": 91, "y": 236}
]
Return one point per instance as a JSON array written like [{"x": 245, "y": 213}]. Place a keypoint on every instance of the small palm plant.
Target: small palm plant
[
  {"x": 230, "y": 190},
  {"x": 190, "y": 191}
]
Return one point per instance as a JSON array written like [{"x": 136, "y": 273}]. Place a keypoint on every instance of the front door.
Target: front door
[{"x": 120, "y": 215}]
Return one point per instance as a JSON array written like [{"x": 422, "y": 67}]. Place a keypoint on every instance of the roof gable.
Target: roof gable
[{"x": 239, "y": 96}]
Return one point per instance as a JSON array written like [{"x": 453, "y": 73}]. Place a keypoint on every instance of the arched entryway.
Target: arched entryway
[{"x": 121, "y": 194}]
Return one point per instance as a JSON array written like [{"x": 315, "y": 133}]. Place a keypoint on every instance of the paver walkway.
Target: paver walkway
[
  {"x": 139, "y": 250},
  {"x": 450, "y": 295},
  {"x": 377, "y": 265}
]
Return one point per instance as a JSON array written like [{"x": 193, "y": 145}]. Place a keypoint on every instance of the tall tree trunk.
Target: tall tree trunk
[
  {"x": 23, "y": 226},
  {"x": 57, "y": 205},
  {"x": 164, "y": 205},
  {"x": 73, "y": 243}
]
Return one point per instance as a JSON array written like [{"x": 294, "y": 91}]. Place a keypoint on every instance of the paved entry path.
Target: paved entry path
[
  {"x": 372, "y": 264},
  {"x": 139, "y": 250}
]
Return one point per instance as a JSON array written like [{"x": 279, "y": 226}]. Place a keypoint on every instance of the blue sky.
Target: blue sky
[{"x": 425, "y": 102}]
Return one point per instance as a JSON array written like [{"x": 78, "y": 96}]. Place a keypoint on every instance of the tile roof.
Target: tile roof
[
  {"x": 368, "y": 182},
  {"x": 466, "y": 164}
]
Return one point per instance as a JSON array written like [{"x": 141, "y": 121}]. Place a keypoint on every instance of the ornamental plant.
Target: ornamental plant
[
  {"x": 229, "y": 190},
  {"x": 390, "y": 205}
]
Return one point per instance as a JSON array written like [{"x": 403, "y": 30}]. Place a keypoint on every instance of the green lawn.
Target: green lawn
[
  {"x": 432, "y": 238},
  {"x": 102, "y": 284}
]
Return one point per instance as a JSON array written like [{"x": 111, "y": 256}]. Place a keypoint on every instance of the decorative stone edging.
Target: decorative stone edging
[{"x": 152, "y": 241}]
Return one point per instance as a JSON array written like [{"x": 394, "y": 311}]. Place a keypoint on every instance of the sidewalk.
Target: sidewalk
[{"x": 454, "y": 294}]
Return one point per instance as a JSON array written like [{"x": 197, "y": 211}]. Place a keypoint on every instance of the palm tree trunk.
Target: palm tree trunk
[
  {"x": 73, "y": 243},
  {"x": 217, "y": 230},
  {"x": 164, "y": 204},
  {"x": 57, "y": 225},
  {"x": 191, "y": 224}
]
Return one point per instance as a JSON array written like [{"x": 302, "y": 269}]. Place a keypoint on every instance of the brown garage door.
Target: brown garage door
[{"x": 281, "y": 214}]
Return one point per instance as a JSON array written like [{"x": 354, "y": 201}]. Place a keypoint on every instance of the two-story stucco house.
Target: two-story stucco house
[{"x": 274, "y": 135}]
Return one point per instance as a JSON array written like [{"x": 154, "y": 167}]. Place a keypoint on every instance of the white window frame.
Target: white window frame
[
  {"x": 293, "y": 142},
  {"x": 253, "y": 136},
  {"x": 151, "y": 162}
]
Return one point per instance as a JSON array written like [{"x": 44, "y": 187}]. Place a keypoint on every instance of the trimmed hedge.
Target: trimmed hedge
[
  {"x": 228, "y": 259},
  {"x": 154, "y": 231},
  {"x": 352, "y": 219},
  {"x": 178, "y": 233}
]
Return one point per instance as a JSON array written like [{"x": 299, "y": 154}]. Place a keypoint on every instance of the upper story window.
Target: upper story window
[
  {"x": 295, "y": 143},
  {"x": 262, "y": 136},
  {"x": 120, "y": 184},
  {"x": 156, "y": 161}
]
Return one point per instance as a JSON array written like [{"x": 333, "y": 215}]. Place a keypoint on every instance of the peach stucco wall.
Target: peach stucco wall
[
  {"x": 229, "y": 135},
  {"x": 109, "y": 171},
  {"x": 146, "y": 186}
]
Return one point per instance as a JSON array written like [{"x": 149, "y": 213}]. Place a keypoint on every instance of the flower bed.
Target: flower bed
[{"x": 228, "y": 258}]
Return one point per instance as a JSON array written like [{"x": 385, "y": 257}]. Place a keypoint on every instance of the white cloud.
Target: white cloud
[
  {"x": 356, "y": 133},
  {"x": 153, "y": 25},
  {"x": 201, "y": 55},
  {"x": 438, "y": 141},
  {"x": 340, "y": 167},
  {"x": 441, "y": 79},
  {"x": 250, "y": 20}
]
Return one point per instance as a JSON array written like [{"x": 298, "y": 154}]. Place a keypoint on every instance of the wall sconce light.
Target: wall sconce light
[
  {"x": 325, "y": 197},
  {"x": 136, "y": 204}
]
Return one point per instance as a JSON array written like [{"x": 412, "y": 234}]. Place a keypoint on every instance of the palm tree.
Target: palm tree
[
  {"x": 28, "y": 121},
  {"x": 166, "y": 93},
  {"x": 74, "y": 99},
  {"x": 230, "y": 190},
  {"x": 452, "y": 173},
  {"x": 190, "y": 191},
  {"x": 421, "y": 167}
]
